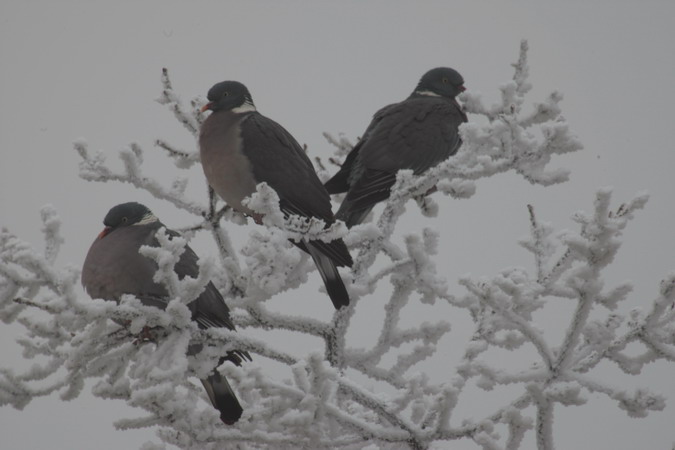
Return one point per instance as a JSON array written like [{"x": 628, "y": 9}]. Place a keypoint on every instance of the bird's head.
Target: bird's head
[
  {"x": 125, "y": 215},
  {"x": 229, "y": 96},
  {"x": 441, "y": 81}
]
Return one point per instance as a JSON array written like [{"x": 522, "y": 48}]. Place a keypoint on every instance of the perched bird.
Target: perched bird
[
  {"x": 417, "y": 134},
  {"x": 114, "y": 267},
  {"x": 240, "y": 148}
]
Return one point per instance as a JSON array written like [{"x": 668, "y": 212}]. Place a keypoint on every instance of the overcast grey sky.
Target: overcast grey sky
[{"x": 73, "y": 69}]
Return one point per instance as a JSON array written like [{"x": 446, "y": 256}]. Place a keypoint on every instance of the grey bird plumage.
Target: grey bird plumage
[
  {"x": 417, "y": 134},
  {"x": 241, "y": 148},
  {"x": 114, "y": 267}
]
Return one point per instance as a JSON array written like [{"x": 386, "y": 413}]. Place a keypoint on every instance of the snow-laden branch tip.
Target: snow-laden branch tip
[{"x": 94, "y": 168}]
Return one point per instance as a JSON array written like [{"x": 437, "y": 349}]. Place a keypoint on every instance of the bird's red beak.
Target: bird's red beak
[
  {"x": 206, "y": 107},
  {"x": 104, "y": 233},
  {"x": 462, "y": 88}
]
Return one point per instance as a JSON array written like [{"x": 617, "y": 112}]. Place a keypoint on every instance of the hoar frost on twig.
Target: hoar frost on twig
[{"x": 321, "y": 404}]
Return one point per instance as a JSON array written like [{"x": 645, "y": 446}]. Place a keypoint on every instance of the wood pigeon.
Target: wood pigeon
[
  {"x": 417, "y": 134},
  {"x": 240, "y": 148},
  {"x": 114, "y": 267}
]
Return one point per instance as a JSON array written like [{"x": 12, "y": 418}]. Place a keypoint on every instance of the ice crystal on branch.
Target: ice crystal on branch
[{"x": 318, "y": 399}]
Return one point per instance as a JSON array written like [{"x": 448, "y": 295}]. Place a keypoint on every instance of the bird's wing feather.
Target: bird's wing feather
[
  {"x": 341, "y": 180},
  {"x": 209, "y": 309},
  {"x": 416, "y": 134},
  {"x": 278, "y": 160}
]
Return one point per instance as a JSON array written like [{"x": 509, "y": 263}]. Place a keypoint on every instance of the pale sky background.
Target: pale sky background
[{"x": 73, "y": 69}]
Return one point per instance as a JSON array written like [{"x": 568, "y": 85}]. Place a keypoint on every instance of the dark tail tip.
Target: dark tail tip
[
  {"x": 231, "y": 415},
  {"x": 337, "y": 292},
  {"x": 330, "y": 275},
  {"x": 222, "y": 397}
]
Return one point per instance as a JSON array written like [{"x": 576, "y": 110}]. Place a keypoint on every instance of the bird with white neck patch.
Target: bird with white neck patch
[
  {"x": 241, "y": 148},
  {"x": 114, "y": 267},
  {"x": 417, "y": 134}
]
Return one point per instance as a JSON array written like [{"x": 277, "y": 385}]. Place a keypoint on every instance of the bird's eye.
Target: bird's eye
[
  {"x": 124, "y": 220},
  {"x": 445, "y": 80},
  {"x": 225, "y": 94}
]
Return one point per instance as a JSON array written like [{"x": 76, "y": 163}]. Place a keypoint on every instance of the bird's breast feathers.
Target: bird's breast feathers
[
  {"x": 227, "y": 169},
  {"x": 114, "y": 266}
]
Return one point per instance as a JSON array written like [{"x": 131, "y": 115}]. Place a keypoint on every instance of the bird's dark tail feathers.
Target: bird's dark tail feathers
[
  {"x": 222, "y": 397},
  {"x": 330, "y": 275}
]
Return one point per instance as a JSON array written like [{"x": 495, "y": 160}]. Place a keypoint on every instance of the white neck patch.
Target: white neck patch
[
  {"x": 148, "y": 218},
  {"x": 246, "y": 107},
  {"x": 427, "y": 93}
]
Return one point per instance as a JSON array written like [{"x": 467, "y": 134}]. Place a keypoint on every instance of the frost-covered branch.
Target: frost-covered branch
[
  {"x": 93, "y": 168},
  {"x": 191, "y": 120},
  {"x": 317, "y": 399}
]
